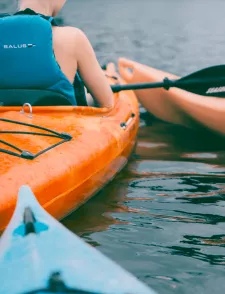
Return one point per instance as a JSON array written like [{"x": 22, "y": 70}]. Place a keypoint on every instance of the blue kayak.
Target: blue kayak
[{"x": 39, "y": 255}]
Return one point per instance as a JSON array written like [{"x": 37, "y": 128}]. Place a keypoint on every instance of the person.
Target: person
[{"x": 72, "y": 52}]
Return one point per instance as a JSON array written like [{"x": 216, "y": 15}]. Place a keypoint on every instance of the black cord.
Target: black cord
[
  {"x": 29, "y": 125},
  {"x": 26, "y": 154},
  {"x": 10, "y": 145},
  {"x": 30, "y": 133}
]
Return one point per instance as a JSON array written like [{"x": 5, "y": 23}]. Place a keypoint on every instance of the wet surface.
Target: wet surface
[{"x": 163, "y": 217}]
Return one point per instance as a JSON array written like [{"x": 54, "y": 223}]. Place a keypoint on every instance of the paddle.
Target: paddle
[{"x": 208, "y": 82}]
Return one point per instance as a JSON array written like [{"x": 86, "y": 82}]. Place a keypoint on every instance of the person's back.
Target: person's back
[{"x": 72, "y": 52}]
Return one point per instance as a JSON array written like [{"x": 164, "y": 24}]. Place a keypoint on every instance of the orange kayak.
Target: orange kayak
[
  {"x": 65, "y": 153},
  {"x": 175, "y": 106}
]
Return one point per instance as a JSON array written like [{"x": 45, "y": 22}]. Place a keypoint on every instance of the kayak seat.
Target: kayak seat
[
  {"x": 40, "y": 97},
  {"x": 10, "y": 97}
]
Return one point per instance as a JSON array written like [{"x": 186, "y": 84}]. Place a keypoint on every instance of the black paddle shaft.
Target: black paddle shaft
[
  {"x": 166, "y": 84},
  {"x": 208, "y": 82}
]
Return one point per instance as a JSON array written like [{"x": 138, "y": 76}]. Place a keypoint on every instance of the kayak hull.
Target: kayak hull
[
  {"x": 66, "y": 176},
  {"x": 174, "y": 106},
  {"x": 35, "y": 257}
]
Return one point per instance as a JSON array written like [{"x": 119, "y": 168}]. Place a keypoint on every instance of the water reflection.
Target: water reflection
[{"x": 215, "y": 240}]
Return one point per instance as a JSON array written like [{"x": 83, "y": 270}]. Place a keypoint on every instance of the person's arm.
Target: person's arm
[{"x": 91, "y": 72}]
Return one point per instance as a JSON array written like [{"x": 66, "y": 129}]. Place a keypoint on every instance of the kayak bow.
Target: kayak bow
[
  {"x": 175, "y": 106},
  {"x": 39, "y": 255}
]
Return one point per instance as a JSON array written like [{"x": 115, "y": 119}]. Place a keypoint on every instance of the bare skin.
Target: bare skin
[{"x": 74, "y": 53}]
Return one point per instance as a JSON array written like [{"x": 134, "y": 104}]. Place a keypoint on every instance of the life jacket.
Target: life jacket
[{"x": 29, "y": 71}]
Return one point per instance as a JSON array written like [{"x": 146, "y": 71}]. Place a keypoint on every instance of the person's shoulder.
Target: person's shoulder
[
  {"x": 72, "y": 32},
  {"x": 72, "y": 37}
]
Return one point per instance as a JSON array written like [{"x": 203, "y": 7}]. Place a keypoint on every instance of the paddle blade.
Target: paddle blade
[{"x": 207, "y": 82}]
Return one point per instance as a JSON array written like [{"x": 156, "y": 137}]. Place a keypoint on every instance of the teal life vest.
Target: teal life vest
[{"x": 29, "y": 71}]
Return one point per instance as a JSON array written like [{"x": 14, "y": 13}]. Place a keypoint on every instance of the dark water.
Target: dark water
[{"x": 163, "y": 217}]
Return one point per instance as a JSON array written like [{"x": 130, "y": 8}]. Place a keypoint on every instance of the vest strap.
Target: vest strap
[{"x": 29, "y": 11}]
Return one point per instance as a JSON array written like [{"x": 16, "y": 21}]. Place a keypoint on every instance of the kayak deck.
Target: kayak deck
[
  {"x": 175, "y": 106},
  {"x": 34, "y": 257},
  {"x": 66, "y": 176}
]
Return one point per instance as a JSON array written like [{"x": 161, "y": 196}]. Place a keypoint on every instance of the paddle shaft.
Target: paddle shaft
[
  {"x": 208, "y": 81},
  {"x": 166, "y": 84},
  {"x": 140, "y": 86}
]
